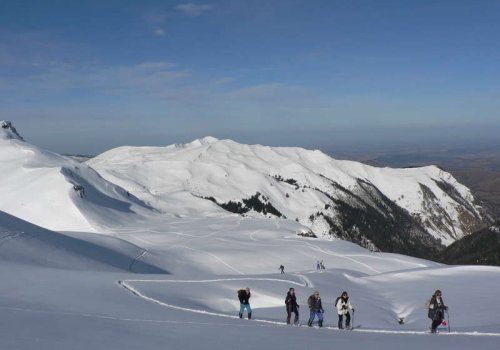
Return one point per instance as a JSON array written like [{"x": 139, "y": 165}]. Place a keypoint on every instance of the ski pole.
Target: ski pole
[
  {"x": 449, "y": 324},
  {"x": 352, "y": 323}
]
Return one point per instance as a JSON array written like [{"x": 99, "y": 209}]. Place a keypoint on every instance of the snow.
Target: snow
[
  {"x": 79, "y": 301},
  {"x": 177, "y": 178},
  {"x": 39, "y": 186},
  {"x": 108, "y": 271}
]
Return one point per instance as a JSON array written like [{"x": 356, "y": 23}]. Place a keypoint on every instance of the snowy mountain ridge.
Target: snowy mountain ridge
[
  {"x": 57, "y": 192},
  {"x": 414, "y": 211},
  {"x": 379, "y": 208}
]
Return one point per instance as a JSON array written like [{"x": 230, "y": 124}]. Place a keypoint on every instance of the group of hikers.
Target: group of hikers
[
  {"x": 435, "y": 305},
  {"x": 342, "y": 306}
]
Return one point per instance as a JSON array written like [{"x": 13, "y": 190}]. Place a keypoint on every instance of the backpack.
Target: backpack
[
  {"x": 310, "y": 301},
  {"x": 337, "y": 301},
  {"x": 428, "y": 304}
]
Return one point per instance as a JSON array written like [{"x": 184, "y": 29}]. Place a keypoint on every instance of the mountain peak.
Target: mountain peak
[
  {"x": 207, "y": 140},
  {"x": 8, "y": 131}
]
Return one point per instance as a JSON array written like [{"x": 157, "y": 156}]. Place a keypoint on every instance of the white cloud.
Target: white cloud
[
  {"x": 193, "y": 9},
  {"x": 160, "y": 32},
  {"x": 155, "y": 22},
  {"x": 148, "y": 78}
]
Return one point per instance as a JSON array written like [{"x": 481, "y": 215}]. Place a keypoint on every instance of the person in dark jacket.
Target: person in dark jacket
[
  {"x": 244, "y": 296},
  {"x": 292, "y": 306},
  {"x": 315, "y": 309},
  {"x": 436, "y": 310}
]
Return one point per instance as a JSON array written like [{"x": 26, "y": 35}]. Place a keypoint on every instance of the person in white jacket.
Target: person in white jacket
[{"x": 343, "y": 306}]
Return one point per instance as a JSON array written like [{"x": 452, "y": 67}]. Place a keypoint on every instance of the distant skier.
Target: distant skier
[
  {"x": 343, "y": 305},
  {"x": 321, "y": 265},
  {"x": 282, "y": 269},
  {"x": 292, "y": 306},
  {"x": 436, "y": 310},
  {"x": 244, "y": 296},
  {"x": 80, "y": 189},
  {"x": 318, "y": 265},
  {"x": 315, "y": 309}
]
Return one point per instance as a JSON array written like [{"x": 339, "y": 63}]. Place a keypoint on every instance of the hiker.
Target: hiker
[
  {"x": 244, "y": 296},
  {"x": 291, "y": 306},
  {"x": 343, "y": 305},
  {"x": 282, "y": 269},
  {"x": 436, "y": 310},
  {"x": 315, "y": 309}
]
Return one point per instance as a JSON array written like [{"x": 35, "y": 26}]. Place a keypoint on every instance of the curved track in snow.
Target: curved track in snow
[{"x": 136, "y": 292}]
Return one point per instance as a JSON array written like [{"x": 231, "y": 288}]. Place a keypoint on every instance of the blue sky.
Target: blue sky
[{"x": 86, "y": 76}]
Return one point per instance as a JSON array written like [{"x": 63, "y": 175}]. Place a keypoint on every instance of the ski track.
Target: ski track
[
  {"x": 291, "y": 242},
  {"x": 137, "y": 293},
  {"x": 307, "y": 281},
  {"x": 142, "y": 240},
  {"x": 136, "y": 259},
  {"x": 140, "y": 295},
  {"x": 352, "y": 257},
  {"x": 208, "y": 235},
  {"x": 218, "y": 280},
  {"x": 277, "y": 226},
  {"x": 315, "y": 247}
]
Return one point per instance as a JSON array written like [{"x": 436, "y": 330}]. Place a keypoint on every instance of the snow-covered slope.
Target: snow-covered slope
[
  {"x": 57, "y": 192},
  {"x": 147, "y": 280},
  {"x": 354, "y": 201},
  {"x": 48, "y": 292},
  {"x": 24, "y": 243}
]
